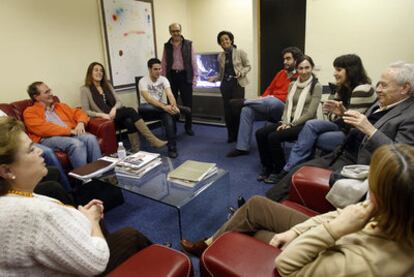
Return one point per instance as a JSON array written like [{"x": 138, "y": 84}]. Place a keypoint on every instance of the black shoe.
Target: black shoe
[
  {"x": 167, "y": 244},
  {"x": 264, "y": 174},
  {"x": 189, "y": 131},
  {"x": 172, "y": 153},
  {"x": 275, "y": 178},
  {"x": 240, "y": 201},
  {"x": 236, "y": 153}
]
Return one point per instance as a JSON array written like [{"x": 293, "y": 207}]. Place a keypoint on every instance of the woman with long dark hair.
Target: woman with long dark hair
[
  {"x": 354, "y": 91},
  {"x": 99, "y": 100}
]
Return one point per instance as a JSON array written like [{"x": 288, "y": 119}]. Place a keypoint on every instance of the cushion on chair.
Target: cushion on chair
[
  {"x": 236, "y": 254},
  {"x": 309, "y": 188},
  {"x": 155, "y": 260}
]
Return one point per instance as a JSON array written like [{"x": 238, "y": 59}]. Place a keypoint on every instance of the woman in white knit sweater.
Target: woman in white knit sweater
[{"x": 39, "y": 235}]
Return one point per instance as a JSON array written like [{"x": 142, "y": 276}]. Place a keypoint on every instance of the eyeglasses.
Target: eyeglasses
[{"x": 175, "y": 31}]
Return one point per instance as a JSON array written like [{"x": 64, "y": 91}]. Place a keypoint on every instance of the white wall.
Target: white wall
[
  {"x": 47, "y": 40},
  {"x": 208, "y": 18},
  {"x": 54, "y": 41},
  {"x": 379, "y": 31}
]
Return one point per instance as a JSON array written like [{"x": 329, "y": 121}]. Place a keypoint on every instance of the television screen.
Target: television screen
[{"x": 207, "y": 67}]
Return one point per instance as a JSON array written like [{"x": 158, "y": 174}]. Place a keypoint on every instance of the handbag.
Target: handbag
[
  {"x": 351, "y": 187},
  {"x": 110, "y": 195}
]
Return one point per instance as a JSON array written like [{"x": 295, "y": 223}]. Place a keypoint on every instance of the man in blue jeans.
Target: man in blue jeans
[
  {"x": 158, "y": 102},
  {"x": 58, "y": 126},
  {"x": 269, "y": 106}
]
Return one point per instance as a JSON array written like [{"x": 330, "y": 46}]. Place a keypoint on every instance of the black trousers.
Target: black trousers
[
  {"x": 149, "y": 112},
  {"x": 334, "y": 161},
  {"x": 123, "y": 244},
  {"x": 125, "y": 118},
  {"x": 51, "y": 187},
  {"x": 231, "y": 90},
  {"x": 182, "y": 88},
  {"x": 269, "y": 142}
]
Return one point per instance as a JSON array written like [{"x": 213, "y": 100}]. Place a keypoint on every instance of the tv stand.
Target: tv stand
[{"x": 208, "y": 107}]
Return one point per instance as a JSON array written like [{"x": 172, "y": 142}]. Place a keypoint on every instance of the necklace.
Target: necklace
[
  {"x": 22, "y": 193},
  {"x": 30, "y": 194}
]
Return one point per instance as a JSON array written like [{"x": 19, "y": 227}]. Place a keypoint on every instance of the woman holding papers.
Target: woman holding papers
[
  {"x": 39, "y": 235},
  {"x": 372, "y": 238},
  {"x": 99, "y": 100},
  {"x": 302, "y": 103}
]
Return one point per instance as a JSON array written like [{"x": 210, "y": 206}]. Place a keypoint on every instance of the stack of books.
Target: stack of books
[
  {"x": 191, "y": 172},
  {"x": 138, "y": 164}
]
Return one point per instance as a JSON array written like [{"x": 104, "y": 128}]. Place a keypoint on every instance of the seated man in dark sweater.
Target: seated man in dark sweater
[{"x": 390, "y": 120}]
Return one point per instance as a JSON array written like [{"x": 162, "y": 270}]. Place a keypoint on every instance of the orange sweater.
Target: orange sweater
[{"x": 38, "y": 127}]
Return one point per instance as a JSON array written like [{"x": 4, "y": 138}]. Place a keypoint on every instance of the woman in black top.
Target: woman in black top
[{"x": 99, "y": 100}]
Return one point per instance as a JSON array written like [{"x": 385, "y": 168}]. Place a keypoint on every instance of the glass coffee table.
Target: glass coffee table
[{"x": 203, "y": 206}]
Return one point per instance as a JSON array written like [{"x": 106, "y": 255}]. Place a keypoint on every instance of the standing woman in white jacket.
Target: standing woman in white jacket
[{"x": 234, "y": 67}]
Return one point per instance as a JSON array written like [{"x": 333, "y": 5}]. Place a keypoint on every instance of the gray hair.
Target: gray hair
[{"x": 404, "y": 73}]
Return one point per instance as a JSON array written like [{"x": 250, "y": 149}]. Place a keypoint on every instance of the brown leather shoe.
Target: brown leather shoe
[{"x": 195, "y": 248}]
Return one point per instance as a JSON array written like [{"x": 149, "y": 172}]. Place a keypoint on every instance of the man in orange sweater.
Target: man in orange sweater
[
  {"x": 269, "y": 106},
  {"x": 59, "y": 126}
]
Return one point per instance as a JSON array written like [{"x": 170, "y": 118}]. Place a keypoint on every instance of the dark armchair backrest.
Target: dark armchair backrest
[{"x": 137, "y": 78}]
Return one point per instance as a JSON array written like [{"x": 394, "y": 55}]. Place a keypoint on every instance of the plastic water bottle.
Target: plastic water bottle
[{"x": 121, "y": 151}]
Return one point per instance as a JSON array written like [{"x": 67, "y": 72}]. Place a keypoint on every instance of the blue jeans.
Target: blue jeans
[
  {"x": 81, "y": 149},
  {"x": 52, "y": 160},
  {"x": 326, "y": 133},
  {"x": 268, "y": 108}
]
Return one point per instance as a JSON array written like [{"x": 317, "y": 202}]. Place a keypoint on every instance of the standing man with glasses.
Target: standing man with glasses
[{"x": 180, "y": 67}]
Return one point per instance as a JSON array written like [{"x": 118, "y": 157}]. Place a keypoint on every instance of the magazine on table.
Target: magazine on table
[
  {"x": 132, "y": 172},
  {"x": 137, "y": 160}
]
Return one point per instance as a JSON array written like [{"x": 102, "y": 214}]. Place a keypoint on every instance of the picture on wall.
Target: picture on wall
[{"x": 129, "y": 39}]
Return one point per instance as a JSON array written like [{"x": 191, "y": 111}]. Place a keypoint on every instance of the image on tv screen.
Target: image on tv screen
[{"x": 207, "y": 67}]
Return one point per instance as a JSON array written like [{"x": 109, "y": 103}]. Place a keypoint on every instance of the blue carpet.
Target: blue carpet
[{"x": 158, "y": 222}]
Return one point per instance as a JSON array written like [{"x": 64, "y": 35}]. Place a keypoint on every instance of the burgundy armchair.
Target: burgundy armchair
[
  {"x": 235, "y": 254},
  {"x": 153, "y": 261},
  {"x": 308, "y": 191},
  {"x": 103, "y": 129}
]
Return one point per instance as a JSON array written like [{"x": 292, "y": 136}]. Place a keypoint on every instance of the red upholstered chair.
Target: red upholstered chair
[
  {"x": 103, "y": 129},
  {"x": 236, "y": 254},
  {"x": 155, "y": 260},
  {"x": 308, "y": 190}
]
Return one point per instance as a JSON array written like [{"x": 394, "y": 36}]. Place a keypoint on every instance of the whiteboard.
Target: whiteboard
[{"x": 129, "y": 38}]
